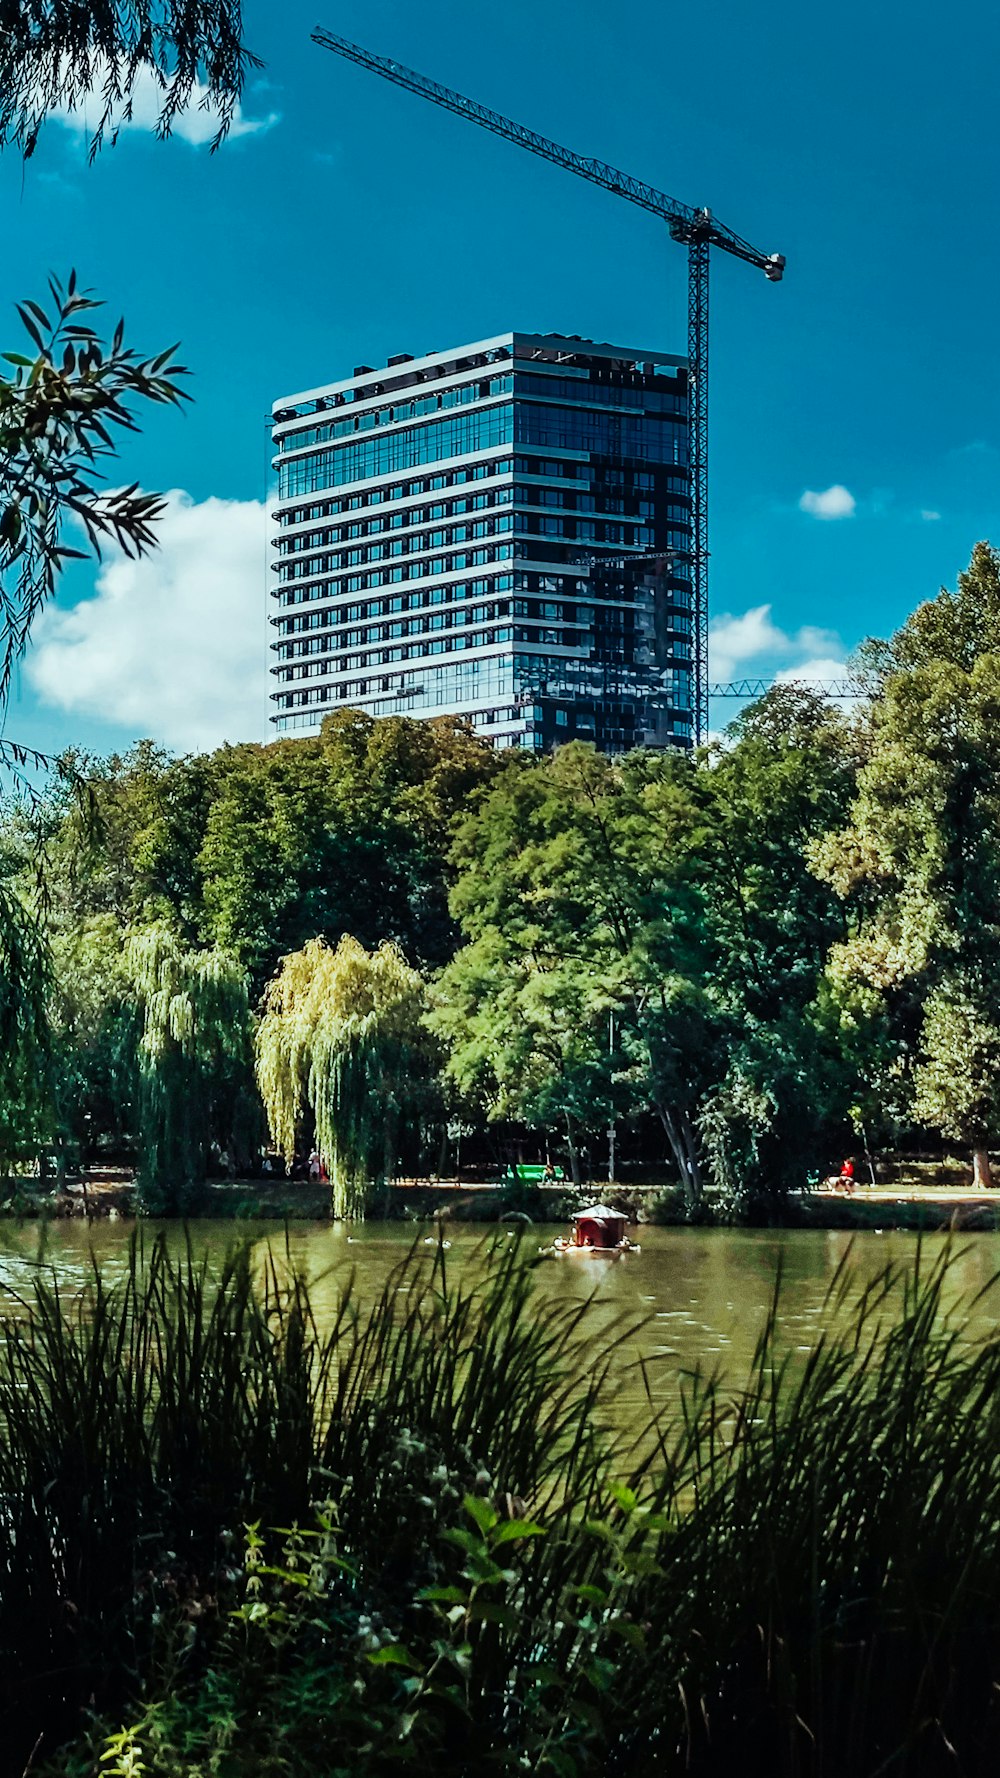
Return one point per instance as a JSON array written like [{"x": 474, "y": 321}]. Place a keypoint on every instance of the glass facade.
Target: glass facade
[
  {"x": 523, "y": 561},
  {"x": 388, "y": 452}
]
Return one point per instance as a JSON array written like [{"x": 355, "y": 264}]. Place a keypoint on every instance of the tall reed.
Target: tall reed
[
  {"x": 141, "y": 1425},
  {"x": 797, "y": 1576}
]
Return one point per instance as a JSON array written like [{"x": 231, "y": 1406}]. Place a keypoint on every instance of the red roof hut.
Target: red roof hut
[{"x": 599, "y": 1227}]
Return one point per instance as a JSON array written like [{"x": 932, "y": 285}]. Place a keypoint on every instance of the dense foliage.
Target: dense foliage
[
  {"x": 919, "y": 862},
  {"x": 645, "y": 935},
  {"x": 342, "y": 1032},
  {"x": 61, "y": 405},
  {"x": 293, "y": 1536},
  {"x": 180, "y": 892},
  {"x": 751, "y": 962},
  {"x": 192, "y": 1057}
]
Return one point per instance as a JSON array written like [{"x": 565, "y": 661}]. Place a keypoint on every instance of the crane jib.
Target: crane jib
[{"x": 687, "y": 216}]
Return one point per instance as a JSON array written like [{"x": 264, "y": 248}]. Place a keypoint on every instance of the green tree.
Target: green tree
[
  {"x": 782, "y": 780},
  {"x": 193, "y": 1047},
  {"x": 957, "y": 1075},
  {"x": 918, "y": 864},
  {"x": 26, "y": 1050},
  {"x": 678, "y": 898},
  {"x": 282, "y": 861},
  {"x": 577, "y": 900},
  {"x": 60, "y": 408},
  {"x": 65, "y": 400},
  {"x": 526, "y": 1042},
  {"x": 342, "y": 1036},
  {"x": 93, "y": 1017},
  {"x": 953, "y": 627},
  {"x": 259, "y": 849}
]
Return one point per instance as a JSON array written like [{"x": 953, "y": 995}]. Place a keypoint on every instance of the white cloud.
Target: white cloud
[
  {"x": 813, "y": 639},
  {"x": 929, "y": 515},
  {"x": 977, "y": 447},
  {"x": 753, "y": 645},
  {"x": 196, "y": 124},
  {"x": 824, "y": 666},
  {"x": 174, "y": 646},
  {"x": 732, "y": 641},
  {"x": 833, "y": 503}
]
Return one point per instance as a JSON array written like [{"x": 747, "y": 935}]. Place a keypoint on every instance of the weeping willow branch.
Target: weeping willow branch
[
  {"x": 59, "y": 53},
  {"x": 342, "y": 1033},
  {"x": 61, "y": 407},
  {"x": 193, "y": 1044}
]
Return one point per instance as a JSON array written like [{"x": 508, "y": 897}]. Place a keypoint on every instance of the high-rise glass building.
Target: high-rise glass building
[{"x": 501, "y": 532}]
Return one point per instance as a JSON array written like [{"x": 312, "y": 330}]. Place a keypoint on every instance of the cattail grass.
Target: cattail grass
[{"x": 795, "y": 1575}]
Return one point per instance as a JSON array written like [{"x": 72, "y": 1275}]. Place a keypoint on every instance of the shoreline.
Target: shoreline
[{"x": 908, "y": 1204}]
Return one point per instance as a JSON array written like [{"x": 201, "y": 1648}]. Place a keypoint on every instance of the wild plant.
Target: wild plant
[{"x": 439, "y": 1552}]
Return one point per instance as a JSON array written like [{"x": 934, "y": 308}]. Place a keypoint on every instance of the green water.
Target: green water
[{"x": 699, "y": 1297}]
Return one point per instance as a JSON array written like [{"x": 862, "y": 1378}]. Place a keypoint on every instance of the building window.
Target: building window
[{"x": 381, "y": 454}]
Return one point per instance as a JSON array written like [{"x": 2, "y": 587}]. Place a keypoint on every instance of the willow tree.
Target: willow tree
[
  {"x": 342, "y": 1037},
  {"x": 26, "y": 1075},
  {"x": 193, "y": 1053}
]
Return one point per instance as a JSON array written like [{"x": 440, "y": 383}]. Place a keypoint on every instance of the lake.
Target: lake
[{"x": 701, "y": 1295}]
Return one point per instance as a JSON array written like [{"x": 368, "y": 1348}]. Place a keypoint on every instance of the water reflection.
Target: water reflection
[{"x": 698, "y": 1297}]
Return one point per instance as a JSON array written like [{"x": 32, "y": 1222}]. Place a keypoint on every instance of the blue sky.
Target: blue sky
[{"x": 356, "y": 220}]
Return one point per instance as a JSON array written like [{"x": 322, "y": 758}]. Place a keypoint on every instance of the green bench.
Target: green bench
[{"x": 517, "y": 1173}]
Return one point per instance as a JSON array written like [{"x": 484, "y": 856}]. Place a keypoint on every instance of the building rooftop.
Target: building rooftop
[{"x": 400, "y": 369}]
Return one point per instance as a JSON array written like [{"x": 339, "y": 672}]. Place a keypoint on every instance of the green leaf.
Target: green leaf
[
  {"x": 593, "y": 1595},
  {"x": 394, "y": 1655},
  {"x": 513, "y": 1529},
  {"x": 542, "y": 1674},
  {"x": 561, "y": 1762},
  {"x": 505, "y": 1615},
  {"x": 463, "y": 1540},
  {"x": 601, "y": 1673},
  {"x": 596, "y": 1528},
  {"x": 485, "y": 1515}
]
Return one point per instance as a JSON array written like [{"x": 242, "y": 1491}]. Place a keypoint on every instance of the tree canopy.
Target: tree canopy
[
  {"x": 256, "y": 849},
  {"x": 342, "y": 1035},
  {"x": 192, "y": 1056},
  {"x": 918, "y": 862},
  {"x": 64, "y": 404},
  {"x": 750, "y": 960},
  {"x": 671, "y": 905}
]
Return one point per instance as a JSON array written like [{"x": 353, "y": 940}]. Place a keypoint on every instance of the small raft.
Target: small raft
[{"x": 598, "y": 1232}]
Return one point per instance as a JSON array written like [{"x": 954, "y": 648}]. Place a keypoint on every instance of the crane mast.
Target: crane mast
[{"x": 694, "y": 228}]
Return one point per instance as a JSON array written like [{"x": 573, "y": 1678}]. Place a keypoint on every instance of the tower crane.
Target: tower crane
[
  {"x": 848, "y": 689},
  {"x": 695, "y": 229}
]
